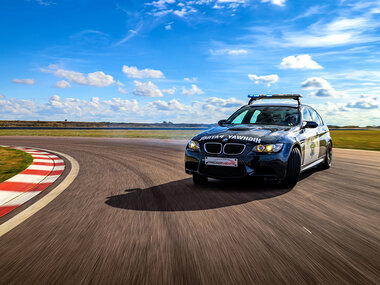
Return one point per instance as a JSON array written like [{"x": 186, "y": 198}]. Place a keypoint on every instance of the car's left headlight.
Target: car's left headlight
[
  {"x": 268, "y": 147},
  {"x": 193, "y": 145}
]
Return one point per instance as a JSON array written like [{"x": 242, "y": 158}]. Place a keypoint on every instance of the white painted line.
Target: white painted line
[
  {"x": 26, "y": 178},
  {"x": 24, "y": 215},
  {"x": 12, "y": 198},
  {"x": 43, "y": 160},
  {"x": 41, "y": 156},
  {"x": 42, "y": 167},
  {"x": 50, "y": 179}
]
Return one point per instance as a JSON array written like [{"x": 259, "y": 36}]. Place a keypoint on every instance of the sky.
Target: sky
[{"x": 186, "y": 61}]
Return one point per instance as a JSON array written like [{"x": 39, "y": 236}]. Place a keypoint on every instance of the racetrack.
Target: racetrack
[{"x": 133, "y": 216}]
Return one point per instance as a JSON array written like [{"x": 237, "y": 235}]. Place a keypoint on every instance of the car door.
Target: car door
[
  {"x": 310, "y": 139},
  {"x": 322, "y": 132}
]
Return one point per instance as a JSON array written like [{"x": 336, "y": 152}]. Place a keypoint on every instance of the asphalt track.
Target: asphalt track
[{"x": 132, "y": 216}]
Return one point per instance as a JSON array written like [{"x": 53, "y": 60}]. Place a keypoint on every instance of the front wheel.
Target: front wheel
[
  {"x": 199, "y": 179},
  {"x": 293, "y": 169},
  {"x": 328, "y": 159}
]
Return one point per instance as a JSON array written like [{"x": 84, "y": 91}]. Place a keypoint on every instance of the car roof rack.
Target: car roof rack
[{"x": 254, "y": 97}]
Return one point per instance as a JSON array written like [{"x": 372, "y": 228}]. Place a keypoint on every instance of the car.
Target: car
[{"x": 276, "y": 141}]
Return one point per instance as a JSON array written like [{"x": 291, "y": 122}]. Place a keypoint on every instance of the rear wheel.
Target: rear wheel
[
  {"x": 199, "y": 179},
  {"x": 328, "y": 159},
  {"x": 293, "y": 169}
]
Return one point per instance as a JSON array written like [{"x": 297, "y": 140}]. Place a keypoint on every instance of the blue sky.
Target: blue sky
[{"x": 186, "y": 61}]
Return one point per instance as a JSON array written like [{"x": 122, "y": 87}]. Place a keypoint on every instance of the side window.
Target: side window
[
  {"x": 315, "y": 117},
  {"x": 306, "y": 114},
  {"x": 254, "y": 116},
  {"x": 239, "y": 119}
]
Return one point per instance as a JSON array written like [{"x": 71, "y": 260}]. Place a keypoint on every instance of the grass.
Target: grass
[
  {"x": 368, "y": 140},
  {"x": 13, "y": 161},
  {"x": 357, "y": 139}
]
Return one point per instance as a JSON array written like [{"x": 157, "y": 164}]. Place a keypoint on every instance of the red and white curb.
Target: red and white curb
[{"x": 44, "y": 170}]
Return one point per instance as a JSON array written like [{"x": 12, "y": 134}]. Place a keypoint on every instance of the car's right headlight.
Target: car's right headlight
[
  {"x": 193, "y": 145},
  {"x": 268, "y": 148}
]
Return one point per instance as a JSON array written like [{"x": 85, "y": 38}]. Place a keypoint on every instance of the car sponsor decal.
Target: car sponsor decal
[{"x": 230, "y": 137}]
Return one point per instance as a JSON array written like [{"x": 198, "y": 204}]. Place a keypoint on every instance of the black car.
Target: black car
[{"x": 262, "y": 139}]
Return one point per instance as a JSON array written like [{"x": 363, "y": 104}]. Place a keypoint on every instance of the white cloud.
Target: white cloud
[
  {"x": 224, "y": 103},
  {"x": 193, "y": 79},
  {"x": 122, "y": 90},
  {"x": 26, "y": 81},
  {"x": 275, "y": 2},
  {"x": 302, "y": 61},
  {"x": 97, "y": 79},
  {"x": 169, "y": 26},
  {"x": 62, "y": 84},
  {"x": 134, "y": 72},
  {"x": 172, "y": 105},
  {"x": 193, "y": 90},
  {"x": 321, "y": 88},
  {"x": 146, "y": 89},
  {"x": 365, "y": 102},
  {"x": 229, "y": 52},
  {"x": 264, "y": 79},
  {"x": 16, "y": 107},
  {"x": 170, "y": 91}
]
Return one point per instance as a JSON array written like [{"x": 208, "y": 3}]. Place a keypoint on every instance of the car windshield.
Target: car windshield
[{"x": 265, "y": 115}]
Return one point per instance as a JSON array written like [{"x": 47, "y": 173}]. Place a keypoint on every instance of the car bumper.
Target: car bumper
[{"x": 272, "y": 165}]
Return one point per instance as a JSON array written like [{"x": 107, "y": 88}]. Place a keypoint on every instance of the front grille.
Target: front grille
[
  {"x": 233, "y": 148},
  {"x": 213, "y": 148},
  {"x": 222, "y": 171}
]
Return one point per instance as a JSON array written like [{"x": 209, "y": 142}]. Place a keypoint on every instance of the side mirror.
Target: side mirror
[
  {"x": 309, "y": 125},
  {"x": 222, "y": 122}
]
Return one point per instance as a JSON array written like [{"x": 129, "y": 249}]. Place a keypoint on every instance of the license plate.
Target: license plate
[{"x": 221, "y": 161}]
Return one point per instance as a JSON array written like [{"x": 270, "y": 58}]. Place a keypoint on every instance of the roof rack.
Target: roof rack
[{"x": 254, "y": 97}]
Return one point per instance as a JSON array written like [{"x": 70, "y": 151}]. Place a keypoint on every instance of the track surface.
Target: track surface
[{"x": 133, "y": 217}]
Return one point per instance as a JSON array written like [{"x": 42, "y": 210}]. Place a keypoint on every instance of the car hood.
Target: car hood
[{"x": 247, "y": 133}]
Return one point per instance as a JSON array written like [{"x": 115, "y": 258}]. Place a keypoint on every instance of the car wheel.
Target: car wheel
[
  {"x": 293, "y": 169},
  {"x": 199, "y": 179},
  {"x": 328, "y": 159}
]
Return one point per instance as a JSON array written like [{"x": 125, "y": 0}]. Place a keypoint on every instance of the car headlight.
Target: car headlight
[
  {"x": 268, "y": 147},
  {"x": 193, "y": 145}
]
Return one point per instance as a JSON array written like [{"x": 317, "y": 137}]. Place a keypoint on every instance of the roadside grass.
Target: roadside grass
[
  {"x": 356, "y": 139},
  {"x": 367, "y": 140},
  {"x": 13, "y": 161}
]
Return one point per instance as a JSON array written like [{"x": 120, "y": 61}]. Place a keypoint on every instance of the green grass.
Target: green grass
[
  {"x": 369, "y": 140},
  {"x": 13, "y": 161},
  {"x": 366, "y": 139}
]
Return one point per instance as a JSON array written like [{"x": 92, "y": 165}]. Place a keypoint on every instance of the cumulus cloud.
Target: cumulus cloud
[
  {"x": 62, "y": 84},
  {"x": 170, "y": 91},
  {"x": 224, "y": 103},
  {"x": 97, "y": 79},
  {"x": 121, "y": 90},
  {"x": 264, "y": 79},
  {"x": 193, "y": 79},
  {"x": 365, "y": 102},
  {"x": 26, "y": 81},
  {"x": 275, "y": 2},
  {"x": 302, "y": 61},
  {"x": 146, "y": 89},
  {"x": 229, "y": 52},
  {"x": 13, "y": 107},
  {"x": 192, "y": 91},
  {"x": 321, "y": 88},
  {"x": 172, "y": 105},
  {"x": 134, "y": 72}
]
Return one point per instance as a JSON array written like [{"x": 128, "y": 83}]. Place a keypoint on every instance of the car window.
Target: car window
[
  {"x": 266, "y": 115},
  {"x": 255, "y": 114},
  {"x": 315, "y": 117},
  {"x": 306, "y": 114},
  {"x": 239, "y": 118}
]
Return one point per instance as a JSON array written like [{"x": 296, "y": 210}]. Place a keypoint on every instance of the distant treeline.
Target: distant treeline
[{"x": 105, "y": 125}]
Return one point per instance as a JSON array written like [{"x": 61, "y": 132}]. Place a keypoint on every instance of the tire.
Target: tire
[
  {"x": 199, "y": 179},
  {"x": 293, "y": 169},
  {"x": 328, "y": 159}
]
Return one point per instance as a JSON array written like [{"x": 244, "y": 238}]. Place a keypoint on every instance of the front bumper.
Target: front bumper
[{"x": 251, "y": 164}]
